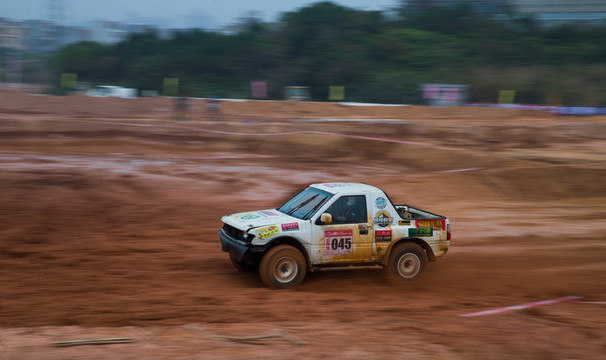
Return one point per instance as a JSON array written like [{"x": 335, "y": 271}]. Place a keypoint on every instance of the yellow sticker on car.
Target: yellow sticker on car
[{"x": 267, "y": 231}]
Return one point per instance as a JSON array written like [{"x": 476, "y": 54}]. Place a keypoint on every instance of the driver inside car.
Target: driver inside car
[{"x": 347, "y": 210}]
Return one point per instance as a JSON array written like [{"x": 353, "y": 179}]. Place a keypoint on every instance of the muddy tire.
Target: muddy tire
[
  {"x": 407, "y": 262},
  {"x": 282, "y": 267},
  {"x": 241, "y": 266}
]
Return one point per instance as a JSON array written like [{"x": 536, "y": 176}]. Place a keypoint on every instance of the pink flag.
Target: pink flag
[{"x": 259, "y": 89}]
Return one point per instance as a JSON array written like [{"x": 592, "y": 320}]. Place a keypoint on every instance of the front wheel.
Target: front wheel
[
  {"x": 407, "y": 261},
  {"x": 282, "y": 267}
]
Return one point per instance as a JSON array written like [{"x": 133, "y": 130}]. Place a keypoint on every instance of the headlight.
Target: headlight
[{"x": 244, "y": 235}]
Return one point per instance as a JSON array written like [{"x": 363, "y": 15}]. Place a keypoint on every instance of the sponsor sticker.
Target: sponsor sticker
[
  {"x": 333, "y": 185},
  {"x": 422, "y": 232},
  {"x": 383, "y": 235},
  {"x": 338, "y": 242},
  {"x": 381, "y": 203},
  {"x": 383, "y": 219},
  {"x": 269, "y": 213},
  {"x": 404, "y": 222},
  {"x": 434, "y": 224},
  {"x": 290, "y": 226},
  {"x": 268, "y": 231},
  {"x": 249, "y": 216}
]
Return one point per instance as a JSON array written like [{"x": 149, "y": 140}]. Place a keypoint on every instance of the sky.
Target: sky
[{"x": 209, "y": 14}]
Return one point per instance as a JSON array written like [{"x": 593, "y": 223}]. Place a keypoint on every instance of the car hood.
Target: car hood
[{"x": 254, "y": 219}]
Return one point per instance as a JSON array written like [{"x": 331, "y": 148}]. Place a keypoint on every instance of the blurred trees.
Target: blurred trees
[{"x": 378, "y": 57}]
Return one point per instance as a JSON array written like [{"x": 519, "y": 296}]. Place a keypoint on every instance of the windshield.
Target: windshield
[{"x": 306, "y": 203}]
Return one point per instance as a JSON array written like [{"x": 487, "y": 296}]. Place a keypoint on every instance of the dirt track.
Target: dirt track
[{"x": 109, "y": 212}]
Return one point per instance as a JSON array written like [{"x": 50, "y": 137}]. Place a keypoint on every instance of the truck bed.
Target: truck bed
[{"x": 409, "y": 212}]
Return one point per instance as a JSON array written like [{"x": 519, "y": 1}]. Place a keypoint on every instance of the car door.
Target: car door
[{"x": 349, "y": 238}]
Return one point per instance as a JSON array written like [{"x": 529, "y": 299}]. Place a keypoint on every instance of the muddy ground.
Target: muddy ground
[{"x": 109, "y": 212}]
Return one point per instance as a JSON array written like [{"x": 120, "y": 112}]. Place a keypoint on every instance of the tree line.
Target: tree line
[{"x": 377, "y": 56}]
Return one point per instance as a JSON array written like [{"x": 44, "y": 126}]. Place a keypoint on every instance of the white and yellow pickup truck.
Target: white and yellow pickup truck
[{"x": 334, "y": 226}]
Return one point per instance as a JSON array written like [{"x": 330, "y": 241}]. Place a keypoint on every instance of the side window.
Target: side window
[{"x": 349, "y": 210}]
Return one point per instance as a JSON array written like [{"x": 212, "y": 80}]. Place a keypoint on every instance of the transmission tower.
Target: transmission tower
[
  {"x": 56, "y": 11},
  {"x": 57, "y": 27}
]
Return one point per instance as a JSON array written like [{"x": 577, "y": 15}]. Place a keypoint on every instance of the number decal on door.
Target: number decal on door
[{"x": 338, "y": 242}]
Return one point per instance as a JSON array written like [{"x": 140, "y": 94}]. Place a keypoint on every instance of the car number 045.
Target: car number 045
[
  {"x": 342, "y": 244},
  {"x": 338, "y": 242}
]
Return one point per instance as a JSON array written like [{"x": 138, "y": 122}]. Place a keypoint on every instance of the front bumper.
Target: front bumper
[{"x": 235, "y": 247}]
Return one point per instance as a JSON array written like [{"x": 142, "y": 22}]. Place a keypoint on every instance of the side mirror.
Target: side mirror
[{"x": 326, "y": 218}]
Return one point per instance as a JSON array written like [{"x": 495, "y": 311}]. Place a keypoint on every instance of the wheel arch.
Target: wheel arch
[
  {"x": 422, "y": 243},
  {"x": 287, "y": 240}
]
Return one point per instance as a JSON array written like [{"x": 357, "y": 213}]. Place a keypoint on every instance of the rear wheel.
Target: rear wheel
[
  {"x": 282, "y": 267},
  {"x": 407, "y": 261}
]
